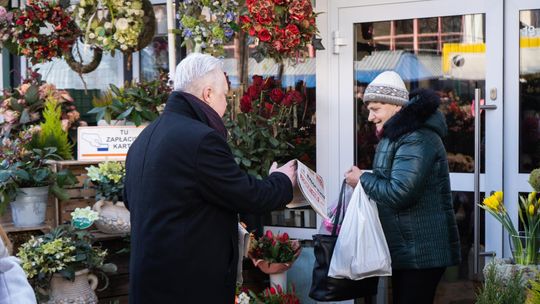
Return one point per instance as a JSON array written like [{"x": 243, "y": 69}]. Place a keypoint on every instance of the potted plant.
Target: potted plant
[
  {"x": 525, "y": 244},
  {"x": 27, "y": 178},
  {"x": 22, "y": 107},
  {"x": 61, "y": 264},
  {"x": 108, "y": 180},
  {"x": 135, "y": 103},
  {"x": 274, "y": 255}
]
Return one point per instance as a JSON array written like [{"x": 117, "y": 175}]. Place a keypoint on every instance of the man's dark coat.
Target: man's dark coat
[{"x": 184, "y": 190}]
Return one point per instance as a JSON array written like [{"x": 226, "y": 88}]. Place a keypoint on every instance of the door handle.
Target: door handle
[{"x": 477, "y": 161}]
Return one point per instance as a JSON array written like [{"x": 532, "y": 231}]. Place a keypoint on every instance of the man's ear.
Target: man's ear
[{"x": 206, "y": 92}]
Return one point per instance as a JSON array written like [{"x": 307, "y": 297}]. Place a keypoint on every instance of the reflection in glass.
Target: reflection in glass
[
  {"x": 154, "y": 58},
  {"x": 446, "y": 54},
  {"x": 529, "y": 90}
]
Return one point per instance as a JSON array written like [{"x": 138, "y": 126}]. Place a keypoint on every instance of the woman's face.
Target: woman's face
[{"x": 379, "y": 113}]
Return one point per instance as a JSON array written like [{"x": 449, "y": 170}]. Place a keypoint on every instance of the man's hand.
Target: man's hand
[
  {"x": 352, "y": 176},
  {"x": 288, "y": 169}
]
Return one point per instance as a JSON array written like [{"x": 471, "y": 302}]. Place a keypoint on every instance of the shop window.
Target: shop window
[{"x": 154, "y": 58}]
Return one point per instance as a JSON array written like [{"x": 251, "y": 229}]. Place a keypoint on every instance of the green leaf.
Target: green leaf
[
  {"x": 274, "y": 141},
  {"x": 15, "y": 104},
  {"x": 125, "y": 113},
  {"x": 96, "y": 110},
  {"x": 136, "y": 118},
  {"x": 32, "y": 95},
  {"x": 25, "y": 117},
  {"x": 246, "y": 162},
  {"x": 115, "y": 89}
]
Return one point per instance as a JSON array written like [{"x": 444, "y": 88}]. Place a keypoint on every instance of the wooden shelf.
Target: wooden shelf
[{"x": 10, "y": 227}]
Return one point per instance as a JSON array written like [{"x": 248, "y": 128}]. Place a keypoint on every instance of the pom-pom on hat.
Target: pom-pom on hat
[{"x": 387, "y": 87}]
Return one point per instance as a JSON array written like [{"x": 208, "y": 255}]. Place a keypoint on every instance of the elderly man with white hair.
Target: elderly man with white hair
[{"x": 184, "y": 191}]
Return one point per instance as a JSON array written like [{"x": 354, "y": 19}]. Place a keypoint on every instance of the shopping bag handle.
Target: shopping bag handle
[{"x": 340, "y": 211}]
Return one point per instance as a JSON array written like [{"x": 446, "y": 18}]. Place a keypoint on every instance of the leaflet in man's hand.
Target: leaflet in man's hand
[{"x": 312, "y": 186}]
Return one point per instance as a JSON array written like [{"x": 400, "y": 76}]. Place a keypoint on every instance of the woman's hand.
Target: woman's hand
[{"x": 352, "y": 176}]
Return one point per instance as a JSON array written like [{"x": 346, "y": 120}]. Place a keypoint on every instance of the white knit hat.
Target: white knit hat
[{"x": 387, "y": 87}]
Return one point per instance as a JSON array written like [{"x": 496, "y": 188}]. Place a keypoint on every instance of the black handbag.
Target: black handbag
[{"x": 325, "y": 288}]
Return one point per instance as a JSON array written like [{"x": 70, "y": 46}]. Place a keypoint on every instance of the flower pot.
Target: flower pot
[
  {"x": 113, "y": 218},
  {"x": 525, "y": 249},
  {"x": 81, "y": 290},
  {"x": 506, "y": 269},
  {"x": 28, "y": 209}
]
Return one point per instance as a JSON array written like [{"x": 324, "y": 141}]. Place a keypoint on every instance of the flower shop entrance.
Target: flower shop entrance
[{"x": 453, "y": 47}]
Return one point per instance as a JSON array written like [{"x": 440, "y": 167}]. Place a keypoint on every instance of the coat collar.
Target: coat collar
[
  {"x": 178, "y": 103},
  {"x": 420, "y": 112}
]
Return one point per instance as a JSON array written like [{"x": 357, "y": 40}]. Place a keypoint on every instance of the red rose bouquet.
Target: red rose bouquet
[
  {"x": 283, "y": 28},
  {"x": 274, "y": 124}
]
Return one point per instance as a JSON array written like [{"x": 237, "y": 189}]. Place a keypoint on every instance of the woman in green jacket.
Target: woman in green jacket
[{"x": 411, "y": 185}]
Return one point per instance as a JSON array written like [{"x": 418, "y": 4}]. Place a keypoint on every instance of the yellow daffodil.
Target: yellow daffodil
[
  {"x": 499, "y": 196},
  {"x": 493, "y": 203},
  {"x": 532, "y": 197},
  {"x": 531, "y": 209}
]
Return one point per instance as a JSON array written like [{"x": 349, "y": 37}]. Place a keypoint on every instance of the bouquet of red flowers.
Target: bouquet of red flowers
[
  {"x": 274, "y": 125},
  {"x": 282, "y": 27},
  {"x": 274, "y": 248}
]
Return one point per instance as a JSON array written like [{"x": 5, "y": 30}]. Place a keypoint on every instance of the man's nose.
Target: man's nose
[{"x": 371, "y": 116}]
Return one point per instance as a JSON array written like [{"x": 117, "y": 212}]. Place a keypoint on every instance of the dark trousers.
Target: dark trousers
[{"x": 415, "y": 286}]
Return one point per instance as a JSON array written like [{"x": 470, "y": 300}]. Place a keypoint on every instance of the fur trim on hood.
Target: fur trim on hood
[{"x": 422, "y": 105}]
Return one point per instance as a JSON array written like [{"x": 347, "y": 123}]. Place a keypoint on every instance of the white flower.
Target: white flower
[
  {"x": 123, "y": 47},
  {"x": 99, "y": 38},
  {"x": 122, "y": 24},
  {"x": 243, "y": 298},
  {"x": 85, "y": 213},
  {"x": 92, "y": 36},
  {"x": 108, "y": 25}
]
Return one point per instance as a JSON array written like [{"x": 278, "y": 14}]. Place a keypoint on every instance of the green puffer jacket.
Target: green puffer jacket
[{"x": 411, "y": 185}]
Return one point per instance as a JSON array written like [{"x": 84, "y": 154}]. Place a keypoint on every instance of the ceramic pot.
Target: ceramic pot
[
  {"x": 80, "y": 291},
  {"x": 113, "y": 218},
  {"x": 28, "y": 208}
]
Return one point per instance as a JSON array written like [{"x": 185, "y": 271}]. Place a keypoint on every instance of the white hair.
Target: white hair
[{"x": 192, "y": 68}]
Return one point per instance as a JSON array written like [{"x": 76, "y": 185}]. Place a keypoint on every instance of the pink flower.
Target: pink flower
[{"x": 269, "y": 234}]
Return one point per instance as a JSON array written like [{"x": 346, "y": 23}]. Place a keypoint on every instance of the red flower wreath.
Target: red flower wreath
[
  {"x": 44, "y": 30},
  {"x": 283, "y": 27}
]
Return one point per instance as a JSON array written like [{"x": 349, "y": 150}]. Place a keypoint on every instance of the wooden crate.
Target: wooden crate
[{"x": 79, "y": 197}]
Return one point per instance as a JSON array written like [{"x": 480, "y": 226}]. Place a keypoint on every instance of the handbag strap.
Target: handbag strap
[{"x": 340, "y": 211}]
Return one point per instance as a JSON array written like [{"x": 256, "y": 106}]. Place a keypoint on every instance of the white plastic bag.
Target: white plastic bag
[{"x": 361, "y": 250}]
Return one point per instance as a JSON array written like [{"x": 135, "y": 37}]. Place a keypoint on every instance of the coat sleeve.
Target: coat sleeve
[
  {"x": 222, "y": 182},
  {"x": 410, "y": 167}
]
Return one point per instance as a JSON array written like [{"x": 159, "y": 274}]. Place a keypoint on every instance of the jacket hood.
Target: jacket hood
[{"x": 420, "y": 112}]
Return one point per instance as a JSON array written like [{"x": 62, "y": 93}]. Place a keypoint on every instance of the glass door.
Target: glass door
[
  {"x": 454, "y": 48},
  {"x": 522, "y": 96}
]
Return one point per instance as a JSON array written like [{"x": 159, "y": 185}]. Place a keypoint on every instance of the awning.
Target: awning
[{"x": 409, "y": 66}]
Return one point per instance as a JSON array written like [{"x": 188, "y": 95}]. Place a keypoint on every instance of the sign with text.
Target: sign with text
[{"x": 105, "y": 143}]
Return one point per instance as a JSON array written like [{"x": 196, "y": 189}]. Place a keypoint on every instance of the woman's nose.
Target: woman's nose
[{"x": 371, "y": 116}]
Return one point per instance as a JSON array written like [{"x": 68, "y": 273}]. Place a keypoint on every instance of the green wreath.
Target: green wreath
[
  {"x": 208, "y": 31},
  {"x": 112, "y": 25}
]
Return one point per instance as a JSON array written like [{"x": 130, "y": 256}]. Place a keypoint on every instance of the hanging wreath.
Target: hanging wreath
[
  {"x": 282, "y": 28},
  {"x": 111, "y": 25},
  {"x": 78, "y": 65},
  {"x": 44, "y": 30},
  {"x": 208, "y": 24}
]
